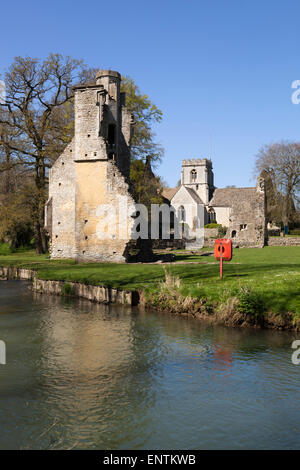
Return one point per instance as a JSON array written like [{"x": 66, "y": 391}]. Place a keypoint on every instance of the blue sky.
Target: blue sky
[{"x": 221, "y": 71}]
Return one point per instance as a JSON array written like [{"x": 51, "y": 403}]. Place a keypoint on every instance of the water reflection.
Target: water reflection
[{"x": 82, "y": 375}]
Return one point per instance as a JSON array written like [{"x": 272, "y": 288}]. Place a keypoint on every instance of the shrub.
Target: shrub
[
  {"x": 5, "y": 249},
  {"x": 250, "y": 302},
  {"x": 222, "y": 231},
  {"x": 67, "y": 289},
  {"x": 212, "y": 225}
]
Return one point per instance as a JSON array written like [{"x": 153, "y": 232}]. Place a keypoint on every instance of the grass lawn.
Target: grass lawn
[{"x": 274, "y": 272}]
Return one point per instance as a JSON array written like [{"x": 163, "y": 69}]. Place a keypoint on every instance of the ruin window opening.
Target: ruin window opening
[
  {"x": 233, "y": 234},
  {"x": 111, "y": 134},
  {"x": 243, "y": 226},
  {"x": 193, "y": 176}
]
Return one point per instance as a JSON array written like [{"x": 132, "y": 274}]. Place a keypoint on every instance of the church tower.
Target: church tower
[{"x": 198, "y": 175}]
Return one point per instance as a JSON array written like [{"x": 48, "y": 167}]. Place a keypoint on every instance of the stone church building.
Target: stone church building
[{"x": 240, "y": 210}]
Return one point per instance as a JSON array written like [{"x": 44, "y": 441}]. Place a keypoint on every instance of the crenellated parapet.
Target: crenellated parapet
[{"x": 197, "y": 162}]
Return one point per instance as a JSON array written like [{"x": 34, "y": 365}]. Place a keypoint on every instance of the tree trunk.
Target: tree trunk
[
  {"x": 40, "y": 238},
  {"x": 7, "y": 173}
]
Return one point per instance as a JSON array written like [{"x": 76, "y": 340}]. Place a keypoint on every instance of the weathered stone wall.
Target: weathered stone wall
[
  {"x": 210, "y": 233},
  {"x": 92, "y": 172},
  {"x": 222, "y": 215},
  {"x": 89, "y": 145},
  {"x": 103, "y": 212},
  {"x": 248, "y": 219},
  {"x": 99, "y": 294},
  {"x": 62, "y": 197},
  {"x": 284, "y": 241},
  {"x": 11, "y": 272},
  {"x": 174, "y": 244}
]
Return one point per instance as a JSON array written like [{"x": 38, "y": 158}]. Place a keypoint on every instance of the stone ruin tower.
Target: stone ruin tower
[{"x": 89, "y": 181}]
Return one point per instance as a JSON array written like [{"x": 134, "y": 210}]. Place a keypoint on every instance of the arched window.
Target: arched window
[
  {"x": 233, "y": 234},
  {"x": 181, "y": 214},
  {"x": 193, "y": 176}
]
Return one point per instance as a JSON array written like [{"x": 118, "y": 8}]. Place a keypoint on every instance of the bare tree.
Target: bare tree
[
  {"x": 281, "y": 163},
  {"x": 33, "y": 118}
]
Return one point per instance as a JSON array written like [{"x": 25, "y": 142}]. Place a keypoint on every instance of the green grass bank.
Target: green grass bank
[{"x": 260, "y": 286}]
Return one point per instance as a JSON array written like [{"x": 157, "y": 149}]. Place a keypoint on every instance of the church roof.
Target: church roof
[
  {"x": 194, "y": 195},
  {"x": 228, "y": 197},
  {"x": 168, "y": 193}
]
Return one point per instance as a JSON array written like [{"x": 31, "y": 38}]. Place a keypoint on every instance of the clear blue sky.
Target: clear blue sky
[{"x": 219, "y": 70}]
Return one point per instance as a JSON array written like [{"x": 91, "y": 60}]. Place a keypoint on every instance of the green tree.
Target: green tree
[
  {"x": 37, "y": 97},
  {"x": 147, "y": 187},
  {"x": 146, "y": 113},
  {"x": 37, "y": 122},
  {"x": 279, "y": 163}
]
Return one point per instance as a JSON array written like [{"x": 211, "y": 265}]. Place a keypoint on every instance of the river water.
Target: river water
[{"x": 80, "y": 375}]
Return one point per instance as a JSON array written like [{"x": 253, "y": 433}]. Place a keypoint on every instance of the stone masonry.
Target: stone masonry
[{"x": 89, "y": 182}]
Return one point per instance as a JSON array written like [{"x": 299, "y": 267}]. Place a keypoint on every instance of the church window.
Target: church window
[
  {"x": 212, "y": 217},
  {"x": 181, "y": 214},
  {"x": 193, "y": 176}
]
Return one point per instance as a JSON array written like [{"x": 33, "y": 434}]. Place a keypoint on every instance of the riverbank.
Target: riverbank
[{"x": 261, "y": 287}]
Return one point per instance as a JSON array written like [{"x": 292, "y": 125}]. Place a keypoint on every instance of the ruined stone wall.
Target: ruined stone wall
[
  {"x": 124, "y": 141},
  {"x": 92, "y": 172},
  {"x": 103, "y": 212},
  {"x": 247, "y": 222},
  {"x": 61, "y": 211},
  {"x": 222, "y": 215},
  {"x": 284, "y": 241},
  {"x": 88, "y": 144}
]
